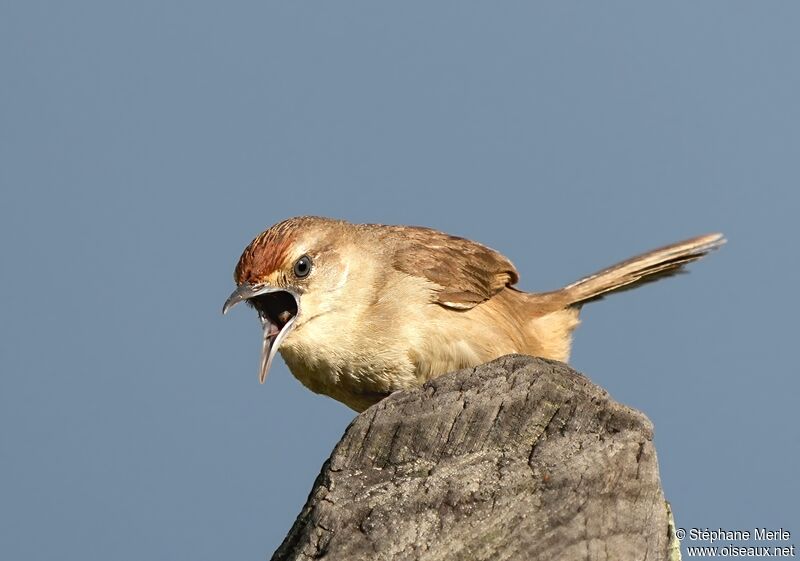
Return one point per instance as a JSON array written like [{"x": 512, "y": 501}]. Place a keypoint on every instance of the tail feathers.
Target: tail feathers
[{"x": 634, "y": 272}]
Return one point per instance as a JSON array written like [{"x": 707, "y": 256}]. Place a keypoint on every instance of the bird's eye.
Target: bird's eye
[{"x": 302, "y": 267}]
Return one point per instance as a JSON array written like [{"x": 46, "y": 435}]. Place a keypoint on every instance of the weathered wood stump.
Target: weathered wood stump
[{"x": 520, "y": 458}]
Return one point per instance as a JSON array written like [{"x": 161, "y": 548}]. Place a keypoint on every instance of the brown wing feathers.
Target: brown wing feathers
[{"x": 467, "y": 272}]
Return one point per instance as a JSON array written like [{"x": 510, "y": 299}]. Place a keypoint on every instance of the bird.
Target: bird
[{"x": 358, "y": 311}]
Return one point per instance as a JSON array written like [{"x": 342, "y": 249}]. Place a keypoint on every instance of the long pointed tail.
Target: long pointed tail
[{"x": 648, "y": 267}]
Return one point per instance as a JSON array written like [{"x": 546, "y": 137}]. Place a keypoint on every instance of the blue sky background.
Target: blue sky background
[{"x": 142, "y": 146}]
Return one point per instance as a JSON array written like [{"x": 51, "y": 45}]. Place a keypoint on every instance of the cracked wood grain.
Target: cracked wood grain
[{"x": 520, "y": 458}]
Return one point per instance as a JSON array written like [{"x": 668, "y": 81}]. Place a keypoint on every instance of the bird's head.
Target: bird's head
[{"x": 290, "y": 274}]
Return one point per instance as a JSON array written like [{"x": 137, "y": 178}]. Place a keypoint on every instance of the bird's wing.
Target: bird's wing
[{"x": 465, "y": 272}]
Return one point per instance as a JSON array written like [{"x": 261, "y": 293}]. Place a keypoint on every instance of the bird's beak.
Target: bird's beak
[
  {"x": 243, "y": 292},
  {"x": 277, "y": 309}
]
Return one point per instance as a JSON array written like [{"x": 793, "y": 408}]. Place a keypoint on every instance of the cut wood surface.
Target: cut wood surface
[{"x": 520, "y": 458}]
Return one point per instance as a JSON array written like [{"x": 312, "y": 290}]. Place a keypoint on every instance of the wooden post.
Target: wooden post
[{"x": 520, "y": 458}]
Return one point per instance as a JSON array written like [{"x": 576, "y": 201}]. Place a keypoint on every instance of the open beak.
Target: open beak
[{"x": 277, "y": 309}]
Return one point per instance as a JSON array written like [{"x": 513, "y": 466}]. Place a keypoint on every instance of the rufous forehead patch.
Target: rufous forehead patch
[{"x": 267, "y": 253}]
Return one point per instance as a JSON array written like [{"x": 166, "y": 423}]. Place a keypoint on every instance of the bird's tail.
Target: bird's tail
[{"x": 648, "y": 267}]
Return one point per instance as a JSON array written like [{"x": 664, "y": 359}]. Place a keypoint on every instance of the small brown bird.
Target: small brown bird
[{"x": 361, "y": 310}]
